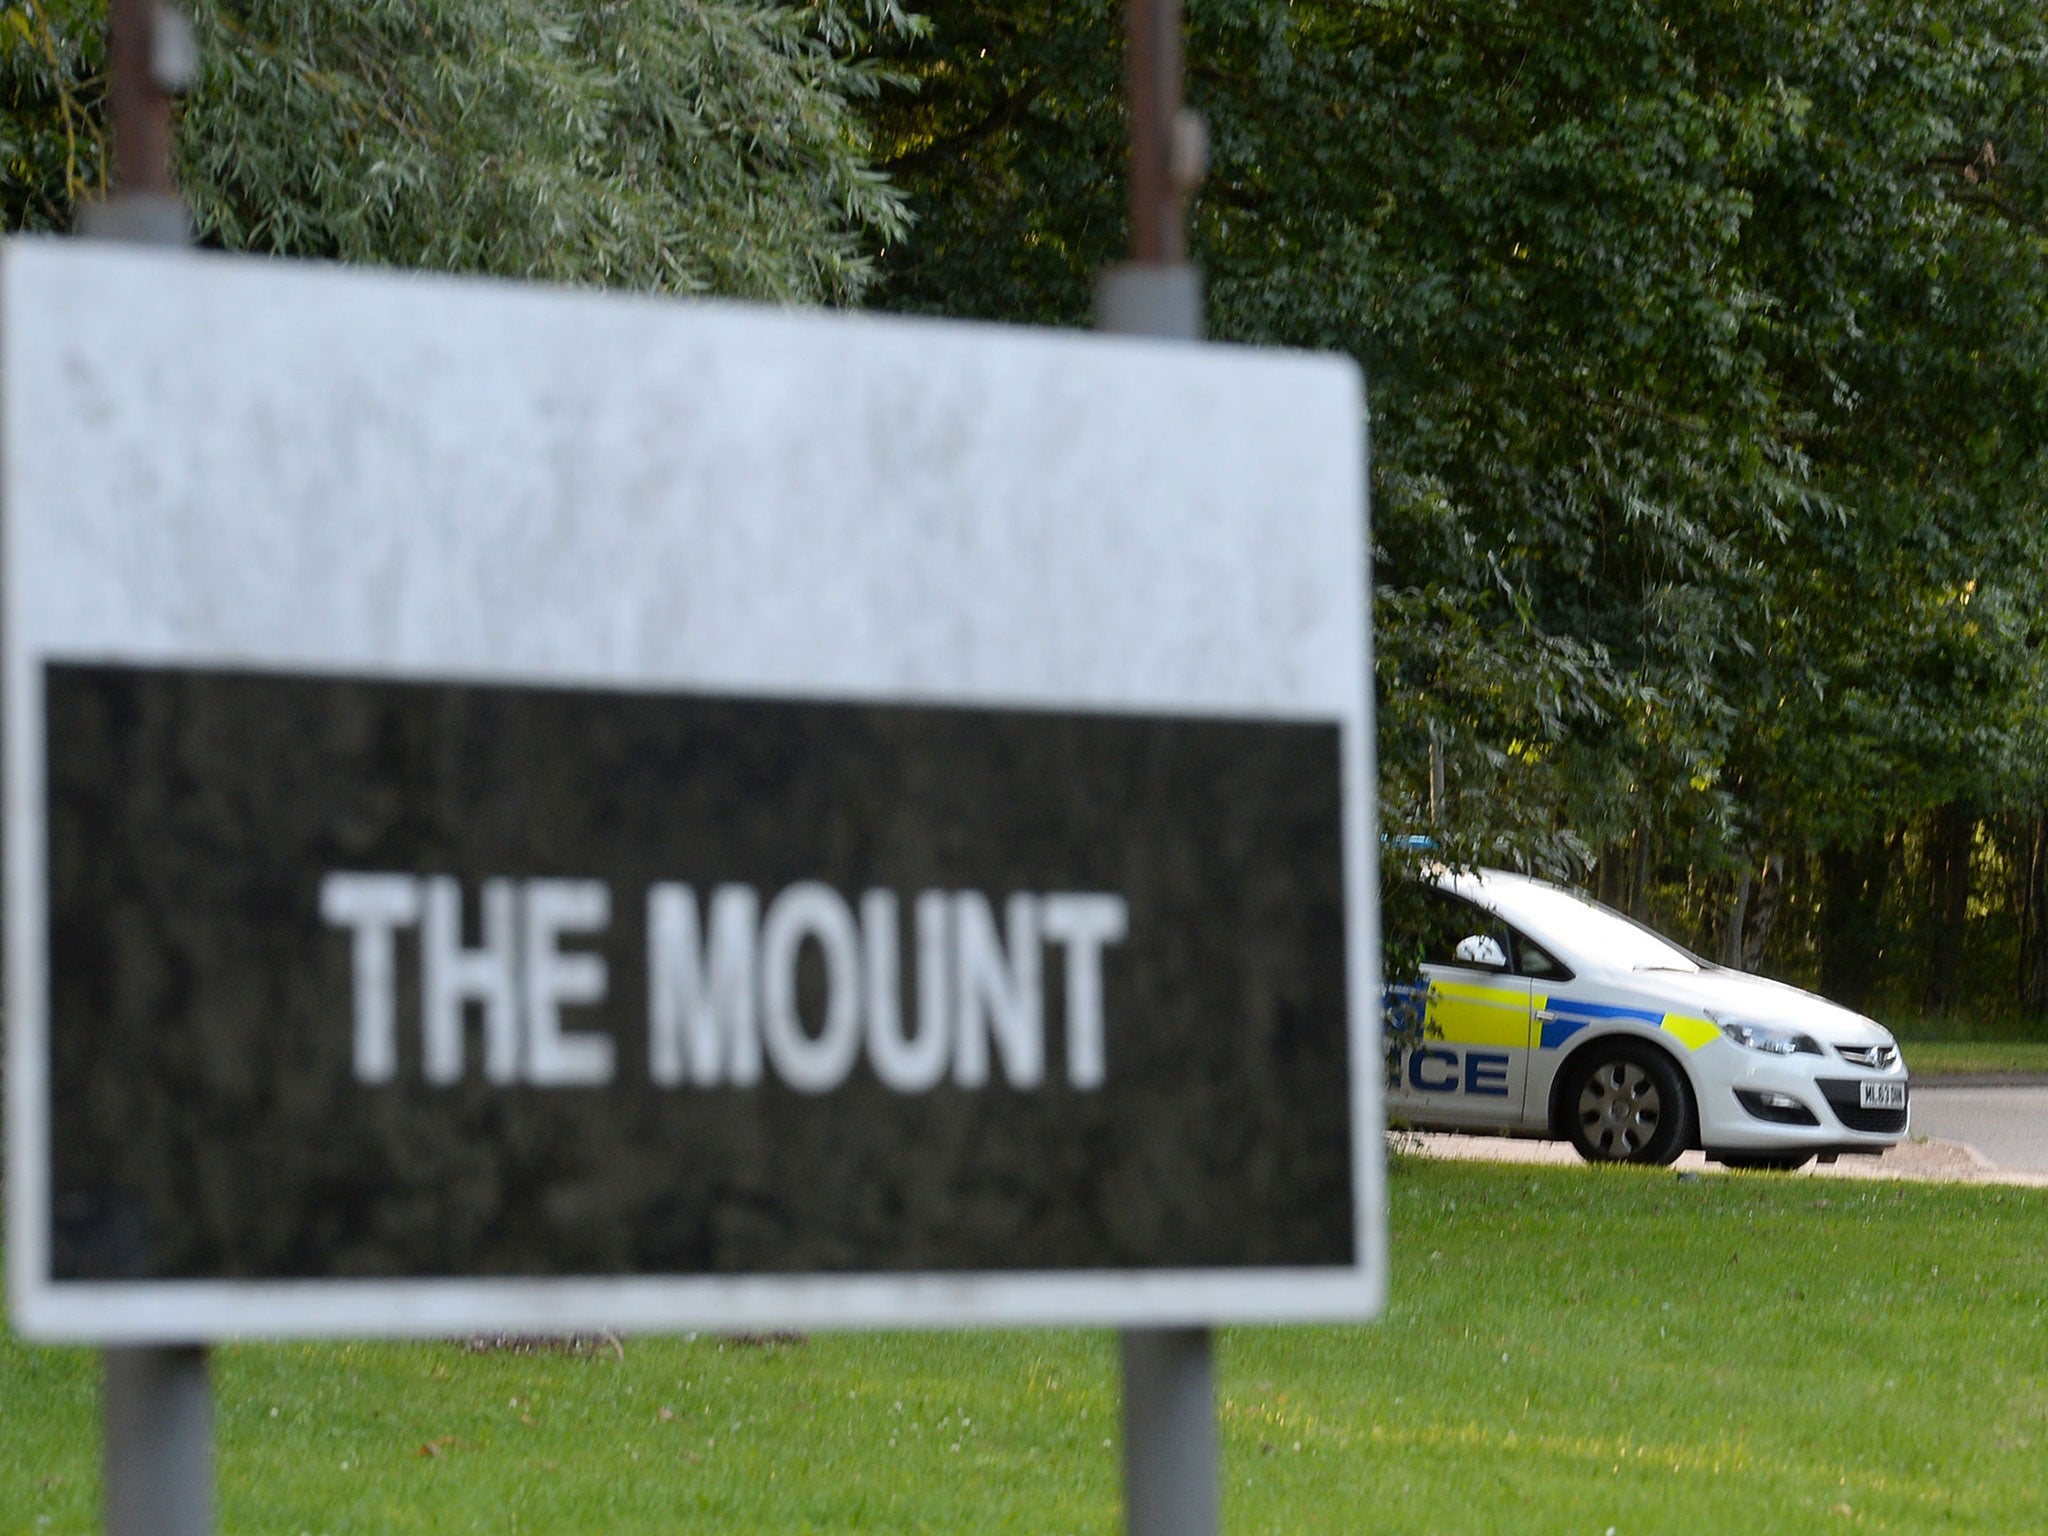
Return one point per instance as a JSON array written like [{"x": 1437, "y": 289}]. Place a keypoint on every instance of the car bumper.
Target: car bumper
[{"x": 1746, "y": 1110}]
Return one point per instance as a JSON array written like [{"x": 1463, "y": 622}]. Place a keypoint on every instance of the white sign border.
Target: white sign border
[{"x": 158, "y": 1311}]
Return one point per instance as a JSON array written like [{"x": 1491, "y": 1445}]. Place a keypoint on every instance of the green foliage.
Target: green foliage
[
  {"x": 1902, "y": 673},
  {"x": 681, "y": 145},
  {"x": 1012, "y": 147},
  {"x": 52, "y": 55},
  {"x": 1706, "y": 351}
]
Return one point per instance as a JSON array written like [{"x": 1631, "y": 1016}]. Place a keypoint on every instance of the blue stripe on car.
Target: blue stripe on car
[{"x": 1579, "y": 1014}]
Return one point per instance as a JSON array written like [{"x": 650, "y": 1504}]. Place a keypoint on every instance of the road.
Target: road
[{"x": 2008, "y": 1125}]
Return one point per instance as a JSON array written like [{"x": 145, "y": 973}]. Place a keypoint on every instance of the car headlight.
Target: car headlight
[{"x": 1772, "y": 1040}]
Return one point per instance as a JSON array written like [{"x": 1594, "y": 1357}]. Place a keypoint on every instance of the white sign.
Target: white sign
[{"x": 538, "y": 810}]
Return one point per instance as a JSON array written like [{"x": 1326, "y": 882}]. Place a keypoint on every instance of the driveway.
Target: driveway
[
  {"x": 1961, "y": 1135},
  {"x": 2008, "y": 1125}
]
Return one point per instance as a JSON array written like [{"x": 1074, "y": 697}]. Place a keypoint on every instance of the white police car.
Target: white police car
[{"x": 1548, "y": 1014}]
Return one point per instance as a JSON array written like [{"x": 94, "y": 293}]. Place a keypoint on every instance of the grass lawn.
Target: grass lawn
[
  {"x": 1935, "y": 1059},
  {"x": 1969, "y": 1043},
  {"x": 1567, "y": 1350}
]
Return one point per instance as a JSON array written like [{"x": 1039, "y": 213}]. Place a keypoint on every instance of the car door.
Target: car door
[{"x": 1471, "y": 1066}]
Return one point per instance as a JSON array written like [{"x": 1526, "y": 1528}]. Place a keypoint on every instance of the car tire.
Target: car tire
[
  {"x": 1777, "y": 1162},
  {"x": 1626, "y": 1102}
]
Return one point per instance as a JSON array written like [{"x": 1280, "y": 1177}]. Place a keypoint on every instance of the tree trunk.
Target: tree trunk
[
  {"x": 1951, "y": 840},
  {"x": 1610, "y": 876},
  {"x": 2033, "y": 977},
  {"x": 1639, "y": 897},
  {"x": 1738, "y": 918},
  {"x": 1853, "y": 881},
  {"x": 1770, "y": 885}
]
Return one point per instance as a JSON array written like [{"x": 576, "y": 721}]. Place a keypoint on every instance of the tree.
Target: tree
[
  {"x": 681, "y": 145},
  {"x": 1706, "y": 381},
  {"x": 52, "y": 57}
]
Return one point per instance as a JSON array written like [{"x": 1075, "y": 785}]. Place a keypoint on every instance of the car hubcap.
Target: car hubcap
[{"x": 1618, "y": 1109}]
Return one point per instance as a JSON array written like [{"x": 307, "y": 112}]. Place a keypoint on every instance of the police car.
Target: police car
[{"x": 1545, "y": 1013}]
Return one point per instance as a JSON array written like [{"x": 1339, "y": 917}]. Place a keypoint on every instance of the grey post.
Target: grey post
[
  {"x": 1157, "y": 292},
  {"x": 158, "y": 1407},
  {"x": 1170, "y": 1468},
  {"x": 1171, "y": 1483},
  {"x": 159, "y": 1441}
]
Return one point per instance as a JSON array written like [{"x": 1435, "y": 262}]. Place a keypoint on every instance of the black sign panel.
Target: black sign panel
[{"x": 358, "y": 978}]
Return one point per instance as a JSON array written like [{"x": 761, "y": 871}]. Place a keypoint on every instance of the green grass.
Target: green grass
[
  {"x": 1567, "y": 1350},
  {"x": 1971, "y": 1043},
  {"x": 1965, "y": 1023},
  {"x": 1934, "y": 1059}
]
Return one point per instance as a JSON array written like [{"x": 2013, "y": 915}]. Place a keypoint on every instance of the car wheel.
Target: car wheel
[
  {"x": 1782, "y": 1162},
  {"x": 1626, "y": 1102}
]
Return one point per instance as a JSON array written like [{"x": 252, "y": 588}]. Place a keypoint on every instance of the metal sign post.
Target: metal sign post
[
  {"x": 158, "y": 1423},
  {"x": 157, "y": 1403},
  {"x": 151, "y": 57},
  {"x": 433, "y": 707},
  {"x": 515, "y": 819},
  {"x": 1171, "y": 1473},
  {"x": 1158, "y": 292}
]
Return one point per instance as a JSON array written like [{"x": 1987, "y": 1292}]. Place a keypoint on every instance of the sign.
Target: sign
[{"x": 531, "y": 810}]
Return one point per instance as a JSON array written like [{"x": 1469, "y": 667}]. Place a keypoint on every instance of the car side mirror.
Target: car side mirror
[{"x": 1482, "y": 950}]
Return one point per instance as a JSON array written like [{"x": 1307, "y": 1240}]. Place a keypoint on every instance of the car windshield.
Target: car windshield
[{"x": 1583, "y": 926}]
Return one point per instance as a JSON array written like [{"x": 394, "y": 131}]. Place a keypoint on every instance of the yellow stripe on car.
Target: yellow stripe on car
[
  {"x": 1464, "y": 1014},
  {"x": 1693, "y": 1032}
]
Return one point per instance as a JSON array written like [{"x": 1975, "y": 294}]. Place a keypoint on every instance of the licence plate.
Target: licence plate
[{"x": 1881, "y": 1095}]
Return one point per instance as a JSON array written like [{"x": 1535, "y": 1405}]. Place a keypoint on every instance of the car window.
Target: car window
[
  {"x": 1445, "y": 919},
  {"x": 1532, "y": 959}
]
